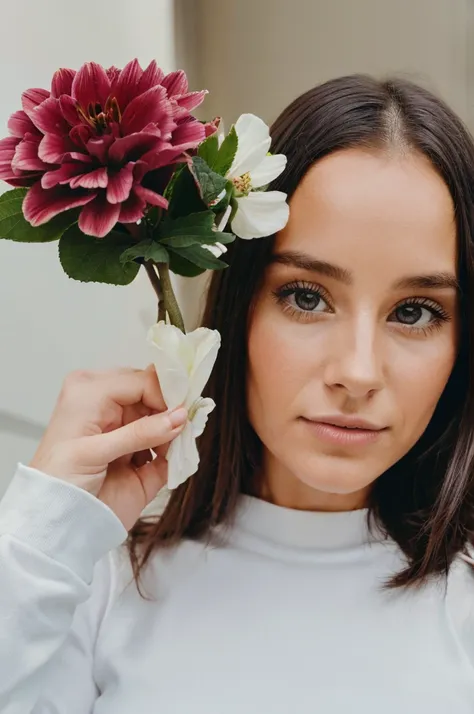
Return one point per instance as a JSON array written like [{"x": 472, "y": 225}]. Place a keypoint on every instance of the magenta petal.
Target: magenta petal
[
  {"x": 132, "y": 147},
  {"x": 175, "y": 83},
  {"x": 20, "y": 123},
  {"x": 191, "y": 100},
  {"x": 99, "y": 217},
  {"x": 126, "y": 86},
  {"x": 78, "y": 156},
  {"x": 152, "y": 76},
  {"x": 94, "y": 179},
  {"x": 7, "y": 148},
  {"x": 156, "y": 160},
  {"x": 69, "y": 109},
  {"x": 49, "y": 118},
  {"x": 91, "y": 85},
  {"x": 132, "y": 210},
  {"x": 98, "y": 148},
  {"x": 62, "y": 82},
  {"x": 211, "y": 127},
  {"x": 32, "y": 98},
  {"x": 53, "y": 147},
  {"x": 7, "y": 152},
  {"x": 26, "y": 155},
  {"x": 150, "y": 107},
  {"x": 120, "y": 184},
  {"x": 41, "y": 205},
  {"x": 112, "y": 73},
  {"x": 80, "y": 135},
  {"x": 151, "y": 197},
  {"x": 61, "y": 175},
  {"x": 166, "y": 125},
  {"x": 188, "y": 135}
]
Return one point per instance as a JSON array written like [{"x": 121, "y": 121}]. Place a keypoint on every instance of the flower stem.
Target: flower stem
[
  {"x": 171, "y": 304},
  {"x": 155, "y": 281}
]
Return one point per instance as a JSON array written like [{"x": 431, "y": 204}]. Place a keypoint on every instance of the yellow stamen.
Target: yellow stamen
[{"x": 243, "y": 184}]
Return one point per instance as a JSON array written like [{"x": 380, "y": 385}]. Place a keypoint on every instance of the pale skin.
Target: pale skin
[
  {"x": 321, "y": 342},
  {"x": 386, "y": 221}
]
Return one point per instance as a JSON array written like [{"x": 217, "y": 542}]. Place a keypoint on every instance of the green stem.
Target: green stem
[
  {"x": 171, "y": 304},
  {"x": 155, "y": 281}
]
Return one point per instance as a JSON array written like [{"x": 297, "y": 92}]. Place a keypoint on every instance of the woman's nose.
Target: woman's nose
[{"x": 355, "y": 360}]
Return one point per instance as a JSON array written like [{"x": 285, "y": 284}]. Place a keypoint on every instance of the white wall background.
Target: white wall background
[{"x": 49, "y": 324}]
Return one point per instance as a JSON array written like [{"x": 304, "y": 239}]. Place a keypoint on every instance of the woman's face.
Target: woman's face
[{"x": 354, "y": 332}]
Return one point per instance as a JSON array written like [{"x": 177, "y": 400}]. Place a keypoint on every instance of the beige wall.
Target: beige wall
[{"x": 256, "y": 55}]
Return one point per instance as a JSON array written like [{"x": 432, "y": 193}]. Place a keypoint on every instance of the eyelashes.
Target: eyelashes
[
  {"x": 302, "y": 297},
  {"x": 305, "y": 301}
]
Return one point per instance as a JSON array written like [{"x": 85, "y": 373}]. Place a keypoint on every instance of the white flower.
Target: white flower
[
  {"x": 217, "y": 249},
  {"x": 184, "y": 363},
  {"x": 259, "y": 213}
]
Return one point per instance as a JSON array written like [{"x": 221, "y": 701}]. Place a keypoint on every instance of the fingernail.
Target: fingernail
[{"x": 178, "y": 417}]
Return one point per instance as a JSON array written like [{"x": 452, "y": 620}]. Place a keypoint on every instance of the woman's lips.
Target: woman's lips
[{"x": 344, "y": 435}]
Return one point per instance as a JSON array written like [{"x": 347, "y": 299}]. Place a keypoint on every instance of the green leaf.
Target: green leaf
[
  {"x": 13, "y": 225},
  {"x": 96, "y": 260},
  {"x": 195, "y": 229},
  {"x": 220, "y": 207},
  {"x": 185, "y": 197},
  {"x": 147, "y": 250},
  {"x": 224, "y": 237},
  {"x": 226, "y": 154},
  {"x": 200, "y": 257},
  {"x": 181, "y": 266},
  {"x": 196, "y": 224},
  {"x": 210, "y": 183},
  {"x": 168, "y": 192},
  {"x": 209, "y": 149}
]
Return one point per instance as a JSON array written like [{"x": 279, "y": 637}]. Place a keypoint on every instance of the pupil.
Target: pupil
[
  {"x": 409, "y": 314},
  {"x": 306, "y": 300}
]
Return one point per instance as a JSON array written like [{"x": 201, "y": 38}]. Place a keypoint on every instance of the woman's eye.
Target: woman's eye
[
  {"x": 306, "y": 300},
  {"x": 415, "y": 315}
]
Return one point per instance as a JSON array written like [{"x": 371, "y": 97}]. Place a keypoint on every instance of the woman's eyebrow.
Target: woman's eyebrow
[
  {"x": 303, "y": 261},
  {"x": 435, "y": 281}
]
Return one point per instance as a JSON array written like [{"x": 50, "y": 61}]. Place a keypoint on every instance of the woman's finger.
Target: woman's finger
[{"x": 137, "y": 436}]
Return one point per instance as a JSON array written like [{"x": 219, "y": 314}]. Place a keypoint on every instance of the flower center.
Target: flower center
[
  {"x": 243, "y": 184},
  {"x": 100, "y": 118}
]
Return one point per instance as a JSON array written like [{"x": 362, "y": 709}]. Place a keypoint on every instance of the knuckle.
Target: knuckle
[
  {"x": 79, "y": 376},
  {"x": 74, "y": 383}
]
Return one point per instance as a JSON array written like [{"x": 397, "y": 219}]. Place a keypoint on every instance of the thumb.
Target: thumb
[{"x": 146, "y": 433}]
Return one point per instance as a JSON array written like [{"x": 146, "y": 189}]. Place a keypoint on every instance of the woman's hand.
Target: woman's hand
[{"x": 101, "y": 436}]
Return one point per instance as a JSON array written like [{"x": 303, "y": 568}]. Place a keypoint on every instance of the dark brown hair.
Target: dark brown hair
[{"x": 425, "y": 502}]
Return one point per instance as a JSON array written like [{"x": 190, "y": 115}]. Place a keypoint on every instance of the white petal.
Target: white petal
[
  {"x": 268, "y": 170},
  {"x": 172, "y": 362},
  {"x": 203, "y": 408},
  {"x": 182, "y": 457},
  {"x": 217, "y": 249},
  {"x": 225, "y": 217},
  {"x": 260, "y": 214},
  {"x": 253, "y": 144},
  {"x": 206, "y": 345},
  {"x": 247, "y": 161}
]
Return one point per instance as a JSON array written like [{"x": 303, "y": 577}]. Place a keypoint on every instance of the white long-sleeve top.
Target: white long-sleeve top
[{"x": 283, "y": 612}]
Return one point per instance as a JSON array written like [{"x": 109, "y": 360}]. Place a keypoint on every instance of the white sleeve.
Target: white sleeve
[{"x": 54, "y": 589}]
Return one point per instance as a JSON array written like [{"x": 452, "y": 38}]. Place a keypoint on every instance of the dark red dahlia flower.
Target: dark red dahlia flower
[{"x": 103, "y": 140}]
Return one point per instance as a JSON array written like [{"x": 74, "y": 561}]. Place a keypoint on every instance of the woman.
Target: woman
[{"x": 319, "y": 560}]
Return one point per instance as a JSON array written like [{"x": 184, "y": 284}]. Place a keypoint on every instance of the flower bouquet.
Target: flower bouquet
[{"x": 113, "y": 165}]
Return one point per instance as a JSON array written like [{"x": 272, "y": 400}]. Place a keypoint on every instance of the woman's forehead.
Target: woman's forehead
[{"x": 356, "y": 206}]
